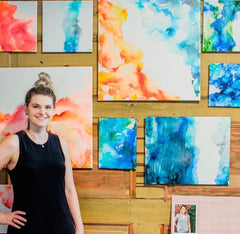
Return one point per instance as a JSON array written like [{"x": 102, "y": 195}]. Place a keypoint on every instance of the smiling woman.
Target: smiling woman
[{"x": 38, "y": 162}]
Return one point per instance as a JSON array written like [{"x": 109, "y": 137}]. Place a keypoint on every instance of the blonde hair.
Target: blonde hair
[{"x": 42, "y": 86}]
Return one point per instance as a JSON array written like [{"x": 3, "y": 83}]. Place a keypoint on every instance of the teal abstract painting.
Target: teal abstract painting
[
  {"x": 224, "y": 85},
  {"x": 117, "y": 143},
  {"x": 187, "y": 150},
  {"x": 67, "y": 26},
  {"x": 221, "y": 26}
]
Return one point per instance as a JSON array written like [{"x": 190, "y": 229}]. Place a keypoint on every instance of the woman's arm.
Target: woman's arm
[
  {"x": 189, "y": 224},
  {"x": 70, "y": 190},
  {"x": 9, "y": 153}
]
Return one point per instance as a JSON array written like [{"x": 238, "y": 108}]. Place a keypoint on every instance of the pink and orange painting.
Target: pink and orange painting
[
  {"x": 6, "y": 202},
  {"x": 18, "y": 26},
  {"x": 148, "y": 50},
  {"x": 73, "y": 112}
]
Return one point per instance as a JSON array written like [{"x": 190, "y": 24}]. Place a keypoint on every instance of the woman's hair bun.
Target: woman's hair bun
[{"x": 44, "y": 79}]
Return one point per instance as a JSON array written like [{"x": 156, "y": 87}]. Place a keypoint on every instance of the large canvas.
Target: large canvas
[
  {"x": 224, "y": 85},
  {"x": 6, "y": 202},
  {"x": 148, "y": 50},
  {"x": 221, "y": 22},
  {"x": 117, "y": 143},
  {"x": 73, "y": 113},
  {"x": 67, "y": 26},
  {"x": 18, "y": 26},
  {"x": 187, "y": 150}
]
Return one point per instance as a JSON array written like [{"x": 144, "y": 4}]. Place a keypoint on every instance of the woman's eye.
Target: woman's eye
[{"x": 48, "y": 107}]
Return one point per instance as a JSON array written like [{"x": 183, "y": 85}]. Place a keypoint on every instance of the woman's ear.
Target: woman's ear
[{"x": 25, "y": 109}]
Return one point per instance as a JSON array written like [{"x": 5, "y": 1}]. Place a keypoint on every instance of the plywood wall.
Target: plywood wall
[{"x": 118, "y": 201}]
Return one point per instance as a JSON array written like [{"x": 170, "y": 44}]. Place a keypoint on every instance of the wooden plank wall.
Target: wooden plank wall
[{"x": 115, "y": 201}]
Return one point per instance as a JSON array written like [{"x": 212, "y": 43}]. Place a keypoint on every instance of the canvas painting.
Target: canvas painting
[
  {"x": 148, "y": 50},
  {"x": 221, "y": 26},
  {"x": 71, "y": 27},
  {"x": 117, "y": 143},
  {"x": 18, "y": 26},
  {"x": 73, "y": 113},
  {"x": 187, "y": 150},
  {"x": 6, "y": 202},
  {"x": 224, "y": 85}
]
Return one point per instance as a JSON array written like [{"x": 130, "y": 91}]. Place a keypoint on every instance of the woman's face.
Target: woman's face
[
  {"x": 183, "y": 210},
  {"x": 40, "y": 110}
]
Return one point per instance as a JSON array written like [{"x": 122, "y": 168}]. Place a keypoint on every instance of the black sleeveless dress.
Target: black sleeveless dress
[{"x": 39, "y": 187}]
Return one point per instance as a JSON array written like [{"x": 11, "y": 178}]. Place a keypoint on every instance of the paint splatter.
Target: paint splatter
[
  {"x": 70, "y": 26},
  {"x": 117, "y": 143},
  {"x": 176, "y": 151},
  {"x": 136, "y": 52},
  {"x": 224, "y": 85},
  {"x": 221, "y": 22},
  {"x": 16, "y": 34}
]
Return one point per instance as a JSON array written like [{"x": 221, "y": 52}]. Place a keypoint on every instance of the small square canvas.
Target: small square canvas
[
  {"x": 187, "y": 150},
  {"x": 6, "y": 202},
  {"x": 67, "y": 26},
  {"x": 117, "y": 143},
  {"x": 18, "y": 26},
  {"x": 221, "y": 23},
  {"x": 148, "y": 50},
  {"x": 224, "y": 85},
  {"x": 73, "y": 111}
]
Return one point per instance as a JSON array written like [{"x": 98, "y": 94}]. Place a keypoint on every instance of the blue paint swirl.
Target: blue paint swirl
[
  {"x": 171, "y": 155},
  {"x": 222, "y": 16},
  {"x": 117, "y": 143},
  {"x": 70, "y": 26},
  {"x": 189, "y": 47},
  {"x": 224, "y": 85}
]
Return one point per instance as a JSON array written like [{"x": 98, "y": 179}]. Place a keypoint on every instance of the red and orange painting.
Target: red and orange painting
[
  {"x": 18, "y": 26},
  {"x": 73, "y": 113}
]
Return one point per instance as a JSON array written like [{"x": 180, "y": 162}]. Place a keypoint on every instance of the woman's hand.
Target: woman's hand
[{"x": 14, "y": 219}]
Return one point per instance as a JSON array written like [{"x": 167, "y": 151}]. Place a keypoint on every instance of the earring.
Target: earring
[{"x": 26, "y": 113}]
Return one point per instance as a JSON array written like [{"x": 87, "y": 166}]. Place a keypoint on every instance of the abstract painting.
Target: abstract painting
[
  {"x": 18, "y": 26},
  {"x": 148, "y": 50},
  {"x": 117, "y": 143},
  {"x": 221, "y": 23},
  {"x": 187, "y": 150},
  {"x": 73, "y": 113},
  {"x": 6, "y": 202},
  {"x": 224, "y": 85},
  {"x": 71, "y": 28}
]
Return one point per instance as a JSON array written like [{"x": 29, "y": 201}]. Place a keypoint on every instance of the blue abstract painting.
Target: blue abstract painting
[
  {"x": 149, "y": 50},
  {"x": 187, "y": 150},
  {"x": 67, "y": 26},
  {"x": 117, "y": 143},
  {"x": 221, "y": 26},
  {"x": 224, "y": 85}
]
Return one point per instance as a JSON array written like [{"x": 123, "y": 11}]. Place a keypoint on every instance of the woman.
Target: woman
[
  {"x": 38, "y": 162},
  {"x": 182, "y": 221}
]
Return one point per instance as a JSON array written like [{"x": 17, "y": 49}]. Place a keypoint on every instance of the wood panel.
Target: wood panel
[
  {"x": 103, "y": 183},
  {"x": 100, "y": 228}
]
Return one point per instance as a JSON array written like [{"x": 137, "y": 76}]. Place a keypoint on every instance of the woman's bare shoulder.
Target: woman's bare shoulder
[{"x": 10, "y": 141}]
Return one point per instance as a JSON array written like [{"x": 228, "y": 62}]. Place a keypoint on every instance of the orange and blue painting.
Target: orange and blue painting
[
  {"x": 221, "y": 22},
  {"x": 73, "y": 112},
  {"x": 18, "y": 26},
  {"x": 6, "y": 202},
  {"x": 224, "y": 85},
  {"x": 187, "y": 150},
  {"x": 71, "y": 28},
  {"x": 148, "y": 50},
  {"x": 117, "y": 143}
]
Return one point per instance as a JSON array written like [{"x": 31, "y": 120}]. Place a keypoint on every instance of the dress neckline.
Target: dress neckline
[{"x": 41, "y": 145}]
